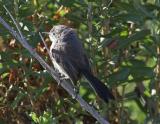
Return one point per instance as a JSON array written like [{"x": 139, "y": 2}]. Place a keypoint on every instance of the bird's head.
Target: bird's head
[{"x": 58, "y": 31}]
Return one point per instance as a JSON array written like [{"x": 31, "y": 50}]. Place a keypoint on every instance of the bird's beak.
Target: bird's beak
[{"x": 46, "y": 33}]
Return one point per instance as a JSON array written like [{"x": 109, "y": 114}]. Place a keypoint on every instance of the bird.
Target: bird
[{"x": 70, "y": 60}]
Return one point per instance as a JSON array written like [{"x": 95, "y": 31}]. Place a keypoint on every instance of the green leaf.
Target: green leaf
[
  {"x": 135, "y": 37},
  {"x": 137, "y": 63},
  {"x": 34, "y": 117},
  {"x": 18, "y": 98},
  {"x": 141, "y": 73},
  {"x": 120, "y": 76},
  {"x": 142, "y": 9}
]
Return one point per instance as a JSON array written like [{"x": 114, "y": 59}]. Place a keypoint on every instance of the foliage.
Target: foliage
[
  {"x": 120, "y": 37},
  {"x": 46, "y": 118}
]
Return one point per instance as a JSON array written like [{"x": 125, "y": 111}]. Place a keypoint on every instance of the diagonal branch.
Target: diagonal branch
[{"x": 64, "y": 83}]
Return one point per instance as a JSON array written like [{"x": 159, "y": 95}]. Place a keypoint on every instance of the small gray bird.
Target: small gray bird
[{"x": 69, "y": 58}]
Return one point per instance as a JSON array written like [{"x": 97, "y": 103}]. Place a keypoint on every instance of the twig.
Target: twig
[
  {"x": 64, "y": 83},
  {"x": 45, "y": 46},
  {"x": 14, "y": 21},
  {"x": 44, "y": 43},
  {"x": 109, "y": 3}
]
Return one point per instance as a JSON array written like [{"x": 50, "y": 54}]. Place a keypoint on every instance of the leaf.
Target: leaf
[
  {"x": 34, "y": 117},
  {"x": 16, "y": 101},
  {"x": 137, "y": 63},
  {"x": 120, "y": 76},
  {"x": 135, "y": 37},
  {"x": 142, "y": 9},
  {"x": 127, "y": 12},
  {"x": 141, "y": 73},
  {"x": 26, "y": 9}
]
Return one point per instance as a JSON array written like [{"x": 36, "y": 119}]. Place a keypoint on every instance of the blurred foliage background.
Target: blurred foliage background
[{"x": 122, "y": 39}]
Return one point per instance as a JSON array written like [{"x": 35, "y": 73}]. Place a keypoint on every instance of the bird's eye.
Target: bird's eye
[{"x": 53, "y": 33}]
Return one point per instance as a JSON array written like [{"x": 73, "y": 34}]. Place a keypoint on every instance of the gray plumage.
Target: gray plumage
[
  {"x": 70, "y": 59},
  {"x": 67, "y": 52}
]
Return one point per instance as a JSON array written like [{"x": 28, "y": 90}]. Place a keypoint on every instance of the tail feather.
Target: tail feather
[{"x": 101, "y": 89}]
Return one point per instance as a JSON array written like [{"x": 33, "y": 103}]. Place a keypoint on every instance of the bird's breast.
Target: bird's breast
[{"x": 59, "y": 68}]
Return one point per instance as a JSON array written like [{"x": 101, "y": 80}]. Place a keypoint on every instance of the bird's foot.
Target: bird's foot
[
  {"x": 76, "y": 92},
  {"x": 62, "y": 77}
]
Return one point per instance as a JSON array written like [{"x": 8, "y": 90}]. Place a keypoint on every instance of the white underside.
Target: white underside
[
  {"x": 56, "y": 65},
  {"x": 59, "y": 68}
]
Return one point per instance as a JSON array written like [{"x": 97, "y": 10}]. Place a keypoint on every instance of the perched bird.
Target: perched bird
[{"x": 70, "y": 60}]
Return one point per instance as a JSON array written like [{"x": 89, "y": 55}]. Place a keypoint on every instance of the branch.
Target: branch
[{"x": 64, "y": 83}]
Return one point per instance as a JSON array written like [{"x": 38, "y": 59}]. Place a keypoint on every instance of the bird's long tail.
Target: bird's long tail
[{"x": 101, "y": 89}]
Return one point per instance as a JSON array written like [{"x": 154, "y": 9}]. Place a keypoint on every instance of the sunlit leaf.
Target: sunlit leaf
[{"x": 135, "y": 37}]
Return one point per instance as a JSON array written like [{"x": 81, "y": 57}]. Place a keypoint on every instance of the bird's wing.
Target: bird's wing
[
  {"x": 70, "y": 55},
  {"x": 75, "y": 51}
]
